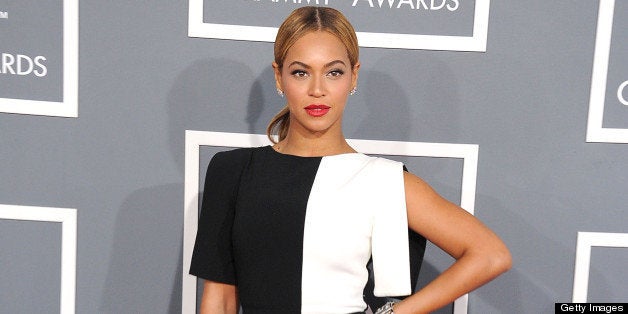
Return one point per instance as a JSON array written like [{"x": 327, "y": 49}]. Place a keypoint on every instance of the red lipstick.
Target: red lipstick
[{"x": 317, "y": 110}]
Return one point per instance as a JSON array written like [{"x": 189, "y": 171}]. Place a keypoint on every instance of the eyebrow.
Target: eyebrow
[{"x": 327, "y": 65}]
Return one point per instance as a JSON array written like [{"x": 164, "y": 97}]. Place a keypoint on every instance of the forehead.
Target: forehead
[{"x": 319, "y": 46}]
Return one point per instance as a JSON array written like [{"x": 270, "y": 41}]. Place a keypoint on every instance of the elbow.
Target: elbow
[
  {"x": 501, "y": 260},
  {"x": 492, "y": 260}
]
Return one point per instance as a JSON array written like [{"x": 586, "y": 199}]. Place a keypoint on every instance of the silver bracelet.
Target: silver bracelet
[{"x": 387, "y": 308}]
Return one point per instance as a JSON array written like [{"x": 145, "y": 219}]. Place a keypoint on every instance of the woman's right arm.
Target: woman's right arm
[{"x": 219, "y": 298}]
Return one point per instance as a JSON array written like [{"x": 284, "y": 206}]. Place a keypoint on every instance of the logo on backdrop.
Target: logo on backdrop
[
  {"x": 434, "y": 5},
  {"x": 617, "y": 76},
  {"x": 608, "y": 107},
  {"x": 309, "y": 2},
  {"x": 38, "y": 73},
  {"x": 20, "y": 64},
  {"x": 31, "y": 57},
  {"x": 425, "y": 17},
  {"x": 418, "y": 24},
  {"x": 621, "y": 95}
]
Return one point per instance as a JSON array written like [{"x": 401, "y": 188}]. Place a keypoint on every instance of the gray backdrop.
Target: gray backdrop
[{"x": 143, "y": 82}]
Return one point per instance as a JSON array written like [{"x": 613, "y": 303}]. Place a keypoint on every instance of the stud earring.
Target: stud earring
[
  {"x": 280, "y": 92},
  {"x": 353, "y": 91}
]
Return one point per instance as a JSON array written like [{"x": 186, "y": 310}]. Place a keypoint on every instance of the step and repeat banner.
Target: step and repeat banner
[{"x": 509, "y": 112}]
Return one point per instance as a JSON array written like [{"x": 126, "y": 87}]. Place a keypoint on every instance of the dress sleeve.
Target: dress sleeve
[
  {"x": 212, "y": 257},
  {"x": 389, "y": 243}
]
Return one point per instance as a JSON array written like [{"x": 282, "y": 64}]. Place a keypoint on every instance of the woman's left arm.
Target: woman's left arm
[{"x": 480, "y": 254}]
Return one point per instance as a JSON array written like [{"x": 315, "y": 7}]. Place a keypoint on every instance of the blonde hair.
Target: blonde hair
[{"x": 300, "y": 22}]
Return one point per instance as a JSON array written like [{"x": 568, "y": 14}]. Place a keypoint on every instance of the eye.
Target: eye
[
  {"x": 335, "y": 73},
  {"x": 299, "y": 73}
]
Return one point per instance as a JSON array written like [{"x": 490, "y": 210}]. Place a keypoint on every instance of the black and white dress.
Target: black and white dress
[{"x": 294, "y": 234}]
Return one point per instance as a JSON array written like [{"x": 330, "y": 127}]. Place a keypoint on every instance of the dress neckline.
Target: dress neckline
[{"x": 272, "y": 149}]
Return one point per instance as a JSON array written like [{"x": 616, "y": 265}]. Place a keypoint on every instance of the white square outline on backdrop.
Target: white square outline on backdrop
[
  {"x": 67, "y": 218},
  {"x": 586, "y": 240},
  {"x": 198, "y": 28},
  {"x": 195, "y": 139},
  {"x": 68, "y": 107},
  {"x": 595, "y": 131}
]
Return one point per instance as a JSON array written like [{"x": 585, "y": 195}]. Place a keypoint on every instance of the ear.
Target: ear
[
  {"x": 354, "y": 74},
  {"x": 277, "y": 71}
]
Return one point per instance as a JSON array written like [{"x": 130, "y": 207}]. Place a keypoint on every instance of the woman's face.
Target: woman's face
[{"x": 316, "y": 79}]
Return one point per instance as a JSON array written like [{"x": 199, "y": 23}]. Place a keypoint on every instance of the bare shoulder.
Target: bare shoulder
[
  {"x": 420, "y": 194},
  {"x": 442, "y": 222}
]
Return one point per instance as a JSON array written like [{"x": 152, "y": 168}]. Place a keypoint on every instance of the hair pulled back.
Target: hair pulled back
[{"x": 300, "y": 22}]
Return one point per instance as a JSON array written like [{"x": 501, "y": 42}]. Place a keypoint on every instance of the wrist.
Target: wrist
[{"x": 388, "y": 308}]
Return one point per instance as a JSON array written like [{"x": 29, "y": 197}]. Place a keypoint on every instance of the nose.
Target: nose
[{"x": 317, "y": 87}]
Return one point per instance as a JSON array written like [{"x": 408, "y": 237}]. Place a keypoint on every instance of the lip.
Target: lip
[{"x": 317, "y": 110}]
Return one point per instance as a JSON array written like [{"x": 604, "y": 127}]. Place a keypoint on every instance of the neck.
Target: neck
[{"x": 313, "y": 144}]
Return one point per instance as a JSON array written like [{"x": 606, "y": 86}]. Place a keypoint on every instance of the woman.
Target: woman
[{"x": 289, "y": 228}]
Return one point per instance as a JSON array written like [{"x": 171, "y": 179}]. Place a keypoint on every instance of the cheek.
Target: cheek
[
  {"x": 294, "y": 85},
  {"x": 341, "y": 88},
  {"x": 294, "y": 92}
]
